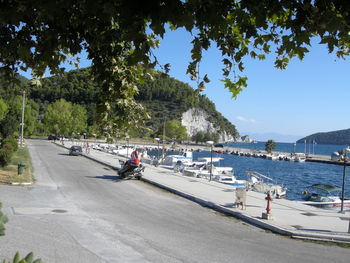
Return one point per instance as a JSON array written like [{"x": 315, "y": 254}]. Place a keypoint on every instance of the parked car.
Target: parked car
[
  {"x": 75, "y": 150},
  {"x": 53, "y": 137}
]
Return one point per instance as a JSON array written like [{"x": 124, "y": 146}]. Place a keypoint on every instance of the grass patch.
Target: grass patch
[{"x": 10, "y": 173}]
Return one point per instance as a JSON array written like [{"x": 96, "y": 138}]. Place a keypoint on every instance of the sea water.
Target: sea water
[
  {"x": 295, "y": 176},
  {"x": 307, "y": 148}
]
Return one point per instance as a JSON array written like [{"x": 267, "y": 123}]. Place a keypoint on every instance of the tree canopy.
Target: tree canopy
[
  {"x": 163, "y": 97},
  {"x": 270, "y": 145},
  {"x": 3, "y": 109},
  {"x": 64, "y": 118},
  {"x": 119, "y": 37}
]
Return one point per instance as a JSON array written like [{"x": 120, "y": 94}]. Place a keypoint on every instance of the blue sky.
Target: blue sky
[{"x": 309, "y": 96}]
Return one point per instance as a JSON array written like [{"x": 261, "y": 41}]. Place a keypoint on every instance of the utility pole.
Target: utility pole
[
  {"x": 211, "y": 158},
  {"x": 22, "y": 119},
  {"x": 163, "y": 150},
  {"x": 345, "y": 151}
]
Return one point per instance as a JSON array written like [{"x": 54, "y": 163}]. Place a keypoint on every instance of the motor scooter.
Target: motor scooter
[{"x": 130, "y": 170}]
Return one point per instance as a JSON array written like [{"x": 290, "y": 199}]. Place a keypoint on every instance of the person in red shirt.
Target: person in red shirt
[
  {"x": 131, "y": 164},
  {"x": 135, "y": 157}
]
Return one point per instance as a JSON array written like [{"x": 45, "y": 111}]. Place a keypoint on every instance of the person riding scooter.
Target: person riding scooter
[{"x": 130, "y": 164}]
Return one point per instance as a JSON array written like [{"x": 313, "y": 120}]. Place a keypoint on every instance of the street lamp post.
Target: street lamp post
[
  {"x": 345, "y": 151},
  {"x": 157, "y": 139},
  {"x": 22, "y": 119},
  {"x": 127, "y": 137},
  {"x": 211, "y": 158}
]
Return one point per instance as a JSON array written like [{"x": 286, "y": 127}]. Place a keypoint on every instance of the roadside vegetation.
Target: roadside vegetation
[
  {"x": 9, "y": 172},
  {"x": 65, "y": 105}
]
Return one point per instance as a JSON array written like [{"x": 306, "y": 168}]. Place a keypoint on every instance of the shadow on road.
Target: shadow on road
[
  {"x": 65, "y": 154},
  {"x": 114, "y": 178}
]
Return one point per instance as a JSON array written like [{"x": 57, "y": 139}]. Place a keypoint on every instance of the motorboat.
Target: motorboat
[
  {"x": 229, "y": 180},
  {"x": 299, "y": 159},
  {"x": 216, "y": 173},
  {"x": 256, "y": 183},
  {"x": 123, "y": 151},
  {"x": 185, "y": 158},
  {"x": 321, "y": 197}
]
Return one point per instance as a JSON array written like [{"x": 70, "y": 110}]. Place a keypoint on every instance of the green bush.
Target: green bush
[
  {"x": 6, "y": 151},
  {"x": 109, "y": 140},
  {"x": 12, "y": 141},
  {"x": 28, "y": 259},
  {"x": 5, "y": 156},
  {"x": 3, "y": 221}
]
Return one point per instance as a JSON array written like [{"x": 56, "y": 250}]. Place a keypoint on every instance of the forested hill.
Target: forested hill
[
  {"x": 165, "y": 98},
  {"x": 333, "y": 137}
]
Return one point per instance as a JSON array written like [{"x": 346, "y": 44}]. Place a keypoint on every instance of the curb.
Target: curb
[
  {"x": 255, "y": 221},
  {"x": 316, "y": 236},
  {"x": 16, "y": 183}
]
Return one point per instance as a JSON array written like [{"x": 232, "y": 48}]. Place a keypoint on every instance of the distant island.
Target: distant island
[{"x": 333, "y": 137}]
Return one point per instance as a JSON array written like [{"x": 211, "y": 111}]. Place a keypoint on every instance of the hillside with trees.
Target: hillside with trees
[
  {"x": 333, "y": 137},
  {"x": 120, "y": 40},
  {"x": 163, "y": 97}
]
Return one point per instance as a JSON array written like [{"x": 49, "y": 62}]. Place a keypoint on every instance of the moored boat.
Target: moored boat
[
  {"x": 324, "y": 199},
  {"x": 257, "y": 184}
]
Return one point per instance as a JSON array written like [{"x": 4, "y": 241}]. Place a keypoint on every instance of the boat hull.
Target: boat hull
[{"x": 328, "y": 205}]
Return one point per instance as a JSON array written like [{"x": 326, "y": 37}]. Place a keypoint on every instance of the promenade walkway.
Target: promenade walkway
[{"x": 289, "y": 217}]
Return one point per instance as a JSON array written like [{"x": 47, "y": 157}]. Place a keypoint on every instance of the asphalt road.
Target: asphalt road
[{"x": 78, "y": 211}]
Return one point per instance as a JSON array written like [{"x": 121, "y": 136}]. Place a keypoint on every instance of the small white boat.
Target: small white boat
[
  {"x": 123, "y": 151},
  {"x": 325, "y": 200},
  {"x": 186, "y": 158},
  {"x": 257, "y": 184},
  {"x": 229, "y": 180},
  {"x": 299, "y": 159},
  {"x": 220, "y": 174}
]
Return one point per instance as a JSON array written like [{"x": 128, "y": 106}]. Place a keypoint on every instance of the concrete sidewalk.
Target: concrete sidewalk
[{"x": 289, "y": 217}]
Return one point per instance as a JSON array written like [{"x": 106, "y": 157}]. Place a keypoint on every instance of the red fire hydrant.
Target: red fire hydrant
[
  {"x": 268, "y": 198},
  {"x": 267, "y": 215}
]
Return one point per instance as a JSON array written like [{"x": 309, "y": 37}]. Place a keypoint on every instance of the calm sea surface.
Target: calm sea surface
[
  {"x": 295, "y": 176},
  {"x": 318, "y": 149}
]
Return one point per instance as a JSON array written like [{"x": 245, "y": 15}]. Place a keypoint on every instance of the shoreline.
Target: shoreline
[{"x": 253, "y": 153}]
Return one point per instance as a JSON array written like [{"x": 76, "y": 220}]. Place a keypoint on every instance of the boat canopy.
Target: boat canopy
[
  {"x": 325, "y": 187},
  {"x": 259, "y": 175},
  {"x": 209, "y": 159}
]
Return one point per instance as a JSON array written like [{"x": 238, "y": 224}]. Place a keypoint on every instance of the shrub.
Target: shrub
[
  {"x": 3, "y": 220},
  {"x": 5, "y": 156},
  {"x": 28, "y": 259},
  {"x": 12, "y": 141}
]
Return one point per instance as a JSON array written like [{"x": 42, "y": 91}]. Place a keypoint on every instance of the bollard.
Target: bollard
[{"x": 267, "y": 215}]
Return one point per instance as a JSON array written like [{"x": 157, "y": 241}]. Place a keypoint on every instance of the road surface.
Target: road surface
[{"x": 78, "y": 211}]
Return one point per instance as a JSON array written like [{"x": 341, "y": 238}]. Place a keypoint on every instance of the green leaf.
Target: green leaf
[
  {"x": 167, "y": 68},
  {"x": 253, "y": 54},
  {"x": 233, "y": 87},
  {"x": 206, "y": 79},
  {"x": 29, "y": 257},
  {"x": 16, "y": 259},
  {"x": 240, "y": 66},
  {"x": 261, "y": 56}
]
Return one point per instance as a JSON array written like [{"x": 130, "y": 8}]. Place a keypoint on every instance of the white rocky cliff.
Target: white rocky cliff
[{"x": 196, "y": 120}]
